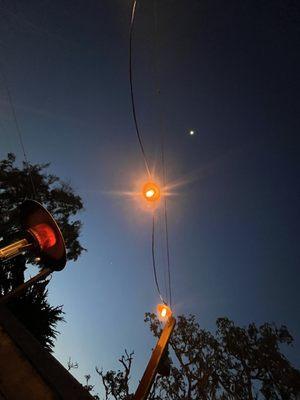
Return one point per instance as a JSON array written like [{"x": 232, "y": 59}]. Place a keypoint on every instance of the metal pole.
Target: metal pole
[
  {"x": 14, "y": 249},
  {"x": 150, "y": 372},
  {"x": 20, "y": 289}
]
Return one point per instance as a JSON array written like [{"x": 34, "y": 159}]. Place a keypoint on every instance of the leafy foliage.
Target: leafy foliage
[
  {"x": 234, "y": 364},
  {"x": 34, "y": 311},
  {"x": 56, "y": 195},
  {"x": 33, "y": 308}
]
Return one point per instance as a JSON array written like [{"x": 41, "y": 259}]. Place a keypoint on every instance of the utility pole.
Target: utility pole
[{"x": 151, "y": 370}]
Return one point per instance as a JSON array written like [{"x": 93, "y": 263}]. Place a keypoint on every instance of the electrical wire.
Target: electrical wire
[
  {"x": 167, "y": 241},
  {"x": 164, "y": 168},
  {"x": 131, "y": 89},
  {"x": 140, "y": 141},
  {"x": 18, "y": 129},
  {"x": 162, "y": 252},
  {"x": 153, "y": 260}
]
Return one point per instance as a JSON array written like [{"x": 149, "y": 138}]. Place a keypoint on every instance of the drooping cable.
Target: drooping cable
[
  {"x": 131, "y": 89},
  {"x": 154, "y": 261},
  {"x": 164, "y": 168},
  {"x": 167, "y": 231},
  {"x": 162, "y": 251},
  {"x": 18, "y": 129},
  {"x": 141, "y": 142}
]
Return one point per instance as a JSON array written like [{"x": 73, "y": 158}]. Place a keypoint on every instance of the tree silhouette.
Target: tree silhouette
[
  {"x": 116, "y": 383},
  {"x": 32, "y": 308},
  {"x": 234, "y": 363}
]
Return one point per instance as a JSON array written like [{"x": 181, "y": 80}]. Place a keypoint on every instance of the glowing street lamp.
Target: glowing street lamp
[
  {"x": 151, "y": 191},
  {"x": 164, "y": 312}
]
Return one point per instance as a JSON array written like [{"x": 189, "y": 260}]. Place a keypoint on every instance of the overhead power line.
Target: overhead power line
[
  {"x": 18, "y": 129},
  {"x": 163, "y": 158},
  {"x": 131, "y": 89},
  {"x": 142, "y": 148},
  {"x": 154, "y": 261}
]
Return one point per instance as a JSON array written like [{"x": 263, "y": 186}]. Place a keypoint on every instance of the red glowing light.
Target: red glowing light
[{"x": 44, "y": 234}]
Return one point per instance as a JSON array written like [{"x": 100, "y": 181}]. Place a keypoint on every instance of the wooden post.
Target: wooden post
[{"x": 150, "y": 372}]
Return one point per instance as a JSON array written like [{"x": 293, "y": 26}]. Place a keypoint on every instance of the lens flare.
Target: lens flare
[
  {"x": 164, "y": 312},
  {"x": 151, "y": 191}
]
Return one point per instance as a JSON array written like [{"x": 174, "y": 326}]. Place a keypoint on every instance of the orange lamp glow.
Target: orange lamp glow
[
  {"x": 164, "y": 312},
  {"x": 151, "y": 191},
  {"x": 44, "y": 235}
]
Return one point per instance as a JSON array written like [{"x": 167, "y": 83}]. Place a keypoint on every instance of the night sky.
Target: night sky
[{"x": 229, "y": 71}]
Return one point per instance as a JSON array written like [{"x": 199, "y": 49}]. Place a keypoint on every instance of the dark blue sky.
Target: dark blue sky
[{"x": 228, "y": 70}]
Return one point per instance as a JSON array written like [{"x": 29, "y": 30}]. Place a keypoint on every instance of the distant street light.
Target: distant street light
[
  {"x": 151, "y": 191},
  {"x": 164, "y": 312}
]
